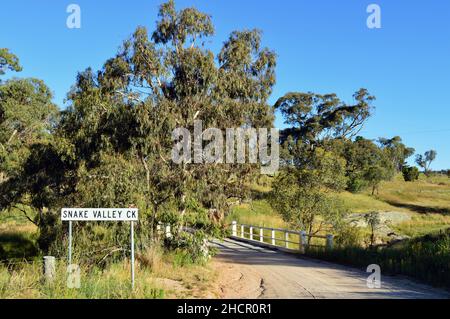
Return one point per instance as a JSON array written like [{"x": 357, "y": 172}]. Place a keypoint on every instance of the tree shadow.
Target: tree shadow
[
  {"x": 420, "y": 209},
  {"x": 17, "y": 246}
]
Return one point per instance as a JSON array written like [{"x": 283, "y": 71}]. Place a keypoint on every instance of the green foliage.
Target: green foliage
[
  {"x": 425, "y": 160},
  {"x": 313, "y": 116},
  {"x": 8, "y": 61},
  {"x": 348, "y": 235},
  {"x": 302, "y": 195},
  {"x": 27, "y": 116},
  {"x": 396, "y": 151},
  {"x": 367, "y": 164},
  {"x": 410, "y": 174},
  {"x": 373, "y": 220},
  {"x": 112, "y": 146}
]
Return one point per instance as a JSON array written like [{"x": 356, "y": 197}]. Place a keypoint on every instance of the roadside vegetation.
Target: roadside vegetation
[
  {"x": 112, "y": 146},
  {"x": 160, "y": 273},
  {"x": 417, "y": 213}
]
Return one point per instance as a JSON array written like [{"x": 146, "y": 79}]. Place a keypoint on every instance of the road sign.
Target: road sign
[
  {"x": 102, "y": 214},
  {"x": 99, "y": 214}
]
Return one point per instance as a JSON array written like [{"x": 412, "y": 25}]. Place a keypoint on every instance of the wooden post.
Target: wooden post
[
  {"x": 286, "y": 238},
  {"x": 251, "y": 232},
  {"x": 242, "y": 231},
  {"x": 261, "y": 235},
  {"x": 234, "y": 228},
  {"x": 303, "y": 241},
  {"x": 330, "y": 242},
  {"x": 159, "y": 228},
  {"x": 49, "y": 269},
  {"x": 273, "y": 237}
]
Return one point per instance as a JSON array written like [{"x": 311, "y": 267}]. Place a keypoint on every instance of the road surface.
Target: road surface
[{"x": 247, "y": 271}]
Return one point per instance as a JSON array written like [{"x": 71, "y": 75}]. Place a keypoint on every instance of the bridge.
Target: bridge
[{"x": 262, "y": 262}]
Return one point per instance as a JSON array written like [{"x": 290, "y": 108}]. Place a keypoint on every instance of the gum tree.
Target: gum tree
[
  {"x": 313, "y": 171},
  {"x": 113, "y": 144}
]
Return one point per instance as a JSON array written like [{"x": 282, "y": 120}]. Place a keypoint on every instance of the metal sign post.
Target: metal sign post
[
  {"x": 70, "y": 242},
  {"x": 132, "y": 254},
  {"x": 102, "y": 214}
]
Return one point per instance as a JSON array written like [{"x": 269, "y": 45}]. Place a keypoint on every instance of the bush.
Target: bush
[
  {"x": 190, "y": 247},
  {"x": 349, "y": 236},
  {"x": 356, "y": 185},
  {"x": 410, "y": 174}
]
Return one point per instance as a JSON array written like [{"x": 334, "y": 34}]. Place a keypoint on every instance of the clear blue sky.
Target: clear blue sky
[{"x": 322, "y": 45}]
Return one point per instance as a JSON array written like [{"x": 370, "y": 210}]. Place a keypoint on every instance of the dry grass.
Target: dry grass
[
  {"x": 427, "y": 201},
  {"x": 159, "y": 274}
]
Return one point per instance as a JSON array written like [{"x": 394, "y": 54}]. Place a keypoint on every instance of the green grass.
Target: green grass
[
  {"x": 257, "y": 212},
  {"x": 420, "y": 225}
]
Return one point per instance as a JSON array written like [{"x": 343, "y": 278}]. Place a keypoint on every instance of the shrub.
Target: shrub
[
  {"x": 349, "y": 236},
  {"x": 355, "y": 184},
  {"x": 410, "y": 174}
]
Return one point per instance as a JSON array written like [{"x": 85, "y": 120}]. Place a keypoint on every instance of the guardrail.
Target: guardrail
[{"x": 258, "y": 234}]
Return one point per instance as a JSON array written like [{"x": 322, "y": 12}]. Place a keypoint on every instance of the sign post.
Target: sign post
[
  {"x": 132, "y": 254},
  {"x": 70, "y": 242},
  {"x": 102, "y": 214}
]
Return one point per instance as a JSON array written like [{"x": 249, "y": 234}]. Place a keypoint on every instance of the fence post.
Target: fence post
[
  {"x": 49, "y": 269},
  {"x": 251, "y": 232},
  {"x": 330, "y": 242},
  {"x": 273, "y": 237},
  {"x": 242, "y": 231},
  {"x": 261, "y": 235},
  {"x": 158, "y": 228},
  {"x": 286, "y": 238},
  {"x": 167, "y": 232},
  {"x": 234, "y": 228},
  {"x": 303, "y": 241}
]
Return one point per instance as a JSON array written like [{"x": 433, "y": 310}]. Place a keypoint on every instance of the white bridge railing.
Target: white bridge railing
[{"x": 278, "y": 237}]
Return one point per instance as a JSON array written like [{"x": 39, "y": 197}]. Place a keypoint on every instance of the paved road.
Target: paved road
[{"x": 253, "y": 272}]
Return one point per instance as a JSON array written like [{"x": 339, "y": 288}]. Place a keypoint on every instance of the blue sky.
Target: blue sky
[{"x": 323, "y": 46}]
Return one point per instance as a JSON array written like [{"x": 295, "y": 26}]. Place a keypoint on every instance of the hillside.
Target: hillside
[{"x": 412, "y": 209}]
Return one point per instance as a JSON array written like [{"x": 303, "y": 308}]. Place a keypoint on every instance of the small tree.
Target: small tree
[
  {"x": 410, "y": 174},
  {"x": 374, "y": 176},
  {"x": 425, "y": 160},
  {"x": 373, "y": 221}
]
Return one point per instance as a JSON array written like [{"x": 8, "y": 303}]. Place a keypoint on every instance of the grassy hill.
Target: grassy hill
[{"x": 414, "y": 208}]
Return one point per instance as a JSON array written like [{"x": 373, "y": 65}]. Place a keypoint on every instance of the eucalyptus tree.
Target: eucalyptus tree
[
  {"x": 425, "y": 160},
  {"x": 314, "y": 170},
  {"x": 8, "y": 61},
  {"x": 396, "y": 151},
  {"x": 113, "y": 144},
  {"x": 27, "y": 116},
  {"x": 169, "y": 80}
]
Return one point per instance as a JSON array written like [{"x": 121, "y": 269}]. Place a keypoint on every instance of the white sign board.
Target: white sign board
[{"x": 99, "y": 214}]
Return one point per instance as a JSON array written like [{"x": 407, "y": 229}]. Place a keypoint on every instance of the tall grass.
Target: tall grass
[{"x": 25, "y": 280}]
